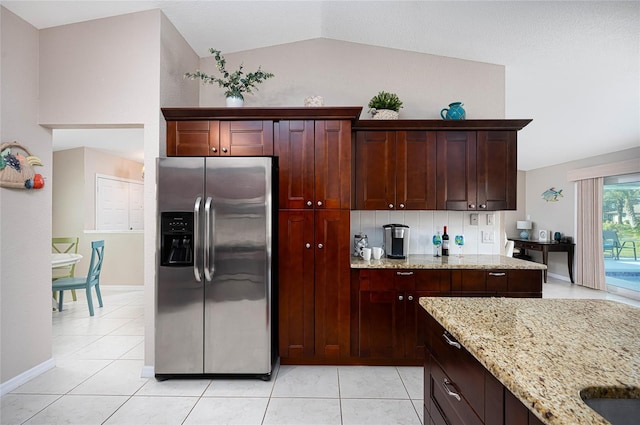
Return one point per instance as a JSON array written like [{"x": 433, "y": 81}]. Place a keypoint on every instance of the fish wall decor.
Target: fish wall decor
[{"x": 552, "y": 195}]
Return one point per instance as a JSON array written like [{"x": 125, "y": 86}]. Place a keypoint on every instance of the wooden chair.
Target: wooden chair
[
  {"x": 92, "y": 280},
  {"x": 612, "y": 243},
  {"x": 64, "y": 246}
]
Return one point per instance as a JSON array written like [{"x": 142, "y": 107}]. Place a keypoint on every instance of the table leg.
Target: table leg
[
  {"x": 545, "y": 260},
  {"x": 570, "y": 263}
]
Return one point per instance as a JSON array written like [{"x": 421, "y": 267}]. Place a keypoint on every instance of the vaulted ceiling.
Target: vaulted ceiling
[{"x": 574, "y": 67}]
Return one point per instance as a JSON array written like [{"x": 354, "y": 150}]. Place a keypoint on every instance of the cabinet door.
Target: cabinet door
[
  {"x": 246, "y": 138},
  {"x": 380, "y": 312},
  {"x": 332, "y": 164},
  {"x": 296, "y": 284},
  {"x": 294, "y": 146},
  {"x": 332, "y": 273},
  {"x": 496, "y": 170},
  {"x": 456, "y": 171},
  {"x": 192, "y": 138},
  {"x": 416, "y": 170},
  {"x": 375, "y": 170}
]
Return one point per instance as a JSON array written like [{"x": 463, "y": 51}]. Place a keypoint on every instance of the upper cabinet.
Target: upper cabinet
[
  {"x": 395, "y": 170},
  {"x": 220, "y": 138},
  {"x": 431, "y": 164},
  {"x": 315, "y": 163}
]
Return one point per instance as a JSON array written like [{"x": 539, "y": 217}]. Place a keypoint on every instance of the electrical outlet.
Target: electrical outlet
[
  {"x": 491, "y": 219},
  {"x": 474, "y": 219},
  {"x": 488, "y": 237}
]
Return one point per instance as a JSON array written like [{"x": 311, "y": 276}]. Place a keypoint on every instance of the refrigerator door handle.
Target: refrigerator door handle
[
  {"x": 208, "y": 273},
  {"x": 196, "y": 239}
]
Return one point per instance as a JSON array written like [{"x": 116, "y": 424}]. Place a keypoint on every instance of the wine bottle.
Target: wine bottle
[{"x": 445, "y": 243}]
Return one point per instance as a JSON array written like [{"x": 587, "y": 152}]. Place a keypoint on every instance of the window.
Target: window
[{"x": 119, "y": 203}]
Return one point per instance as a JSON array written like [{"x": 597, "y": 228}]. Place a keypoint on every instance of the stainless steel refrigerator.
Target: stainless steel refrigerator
[{"x": 216, "y": 296}]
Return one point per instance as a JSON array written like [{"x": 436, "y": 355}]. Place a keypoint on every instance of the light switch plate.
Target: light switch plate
[
  {"x": 474, "y": 219},
  {"x": 488, "y": 237},
  {"x": 490, "y": 219}
]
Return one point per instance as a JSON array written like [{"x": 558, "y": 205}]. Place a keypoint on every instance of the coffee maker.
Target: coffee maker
[{"x": 396, "y": 240}]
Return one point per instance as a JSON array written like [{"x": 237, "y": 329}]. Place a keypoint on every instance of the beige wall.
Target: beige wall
[
  {"x": 560, "y": 216},
  {"x": 351, "y": 74},
  {"x": 25, "y": 224},
  {"x": 74, "y": 172}
]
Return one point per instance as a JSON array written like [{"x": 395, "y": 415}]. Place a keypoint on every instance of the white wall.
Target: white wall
[
  {"x": 73, "y": 182},
  {"x": 560, "y": 216},
  {"x": 25, "y": 227},
  {"x": 350, "y": 74}
]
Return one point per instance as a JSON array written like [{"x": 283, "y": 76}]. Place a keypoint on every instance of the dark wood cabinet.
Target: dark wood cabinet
[
  {"x": 395, "y": 170},
  {"x": 459, "y": 390},
  {"x": 498, "y": 282},
  {"x": 477, "y": 171},
  {"x": 315, "y": 164},
  {"x": 388, "y": 325},
  {"x": 220, "y": 138}
]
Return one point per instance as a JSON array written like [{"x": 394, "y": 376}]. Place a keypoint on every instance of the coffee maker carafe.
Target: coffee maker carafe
[{"x": 396, "y": 240}]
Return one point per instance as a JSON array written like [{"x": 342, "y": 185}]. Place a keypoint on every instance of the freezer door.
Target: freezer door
[
  {"x": 179, "y": 295},
  {"x": 237, "y": 296}
]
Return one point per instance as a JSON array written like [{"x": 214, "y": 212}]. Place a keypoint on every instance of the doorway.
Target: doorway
[{"x": 621, "y": 234}]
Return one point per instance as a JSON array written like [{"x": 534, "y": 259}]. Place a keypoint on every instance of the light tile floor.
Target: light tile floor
[{"x": 99, "y": 360}]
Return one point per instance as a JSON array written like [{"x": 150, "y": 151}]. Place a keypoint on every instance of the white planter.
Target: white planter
[
  {"x": 235, "y": 102},
  {"x": 385, "y": 114}
]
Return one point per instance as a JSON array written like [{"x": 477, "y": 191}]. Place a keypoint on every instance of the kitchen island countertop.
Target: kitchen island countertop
[
  {"x": 546, "y": 351},
  {"x": 467, "y": 261}
]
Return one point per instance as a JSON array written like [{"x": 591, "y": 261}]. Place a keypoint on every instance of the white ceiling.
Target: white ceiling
[{"x": 574, "y": 67}]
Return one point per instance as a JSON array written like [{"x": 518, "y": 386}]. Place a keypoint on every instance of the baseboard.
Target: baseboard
[
  {"x": 26, "y": 376},
  {"x": 148, "y": 372},
  {"x": 559, "y": 277}
]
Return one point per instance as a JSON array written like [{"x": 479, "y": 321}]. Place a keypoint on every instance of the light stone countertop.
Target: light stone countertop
[
  {"x": 467, "y": 261},
  {"x": 546, "y": 351}
]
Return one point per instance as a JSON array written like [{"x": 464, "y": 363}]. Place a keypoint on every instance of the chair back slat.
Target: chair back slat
[
  {"x": 64, "y": 246},
  {"x": 95, "y": 266}
]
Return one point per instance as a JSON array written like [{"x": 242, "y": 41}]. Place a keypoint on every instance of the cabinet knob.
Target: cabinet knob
[
  {"x": 224, "y": 150},
  {"x": 214, "y": 150},
  {"x": 320, "y": 246},
  {"x": 472, "y": 206},
  {"x": 400, "y": 298},
  {"x": 401, "y": 206},
  {"x": 309, "y": 203},
  {"x": 410, "y": 297},
  {"x": 307, "y": 245},
  {"x": 483, "y": 206},
  {"x": 319, "y": 203},
  {"x": 390, "y": 206}
]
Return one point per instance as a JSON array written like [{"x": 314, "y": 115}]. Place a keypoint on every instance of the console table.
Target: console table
[{"x": 545, "y": 248}]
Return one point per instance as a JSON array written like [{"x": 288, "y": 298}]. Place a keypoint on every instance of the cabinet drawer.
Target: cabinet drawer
[
  {"x": 449, "y": 400},
  {"x": 463, "y": 369},
  {"x": 529, "y": 281}
]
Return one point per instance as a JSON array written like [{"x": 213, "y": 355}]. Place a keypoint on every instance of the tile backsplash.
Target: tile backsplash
[{"x": 424, "y": 224}]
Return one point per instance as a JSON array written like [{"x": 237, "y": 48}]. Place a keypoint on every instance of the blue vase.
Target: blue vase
[{"x": 454, "y": 112}]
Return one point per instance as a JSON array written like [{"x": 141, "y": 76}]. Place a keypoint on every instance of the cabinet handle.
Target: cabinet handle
[
  {"x": 390, "y": 206},
  {"x": 214, "y": 150},
  {"x": 307, "y": 245},
  {"x": 472, "y": 206},
  {"x": 309, "y": 203},
  {"x": 404, "y": 273},
  {"x": 319, "y": 203},
  {"x": 224, "y": 150},
  {"x": 497, "y": 274},
  {"x": 483, "y": 206},
  {"x": 410, "y": 297},
  {"x": 400, "y": 298},
  {"x": 451, "y": 342},
  {"x": 320, "y": 246},
  {"x": 401, "y": 206},
  {"x": 445, "y": 385}
]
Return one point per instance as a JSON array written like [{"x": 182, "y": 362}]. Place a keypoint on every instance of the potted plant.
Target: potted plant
[
  {"x": 234, "y": 83},
  {"x": 385, "y": 106}
]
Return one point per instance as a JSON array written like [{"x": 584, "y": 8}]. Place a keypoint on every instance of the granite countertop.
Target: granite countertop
[
  {"x": 546, "y": 351},
  {"x": 467, "y": 261}
]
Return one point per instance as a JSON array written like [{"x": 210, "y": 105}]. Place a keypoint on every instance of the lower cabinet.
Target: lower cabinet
[
  {"x": 313, "y": 286},
  {"x": 459, "y": 390}
]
